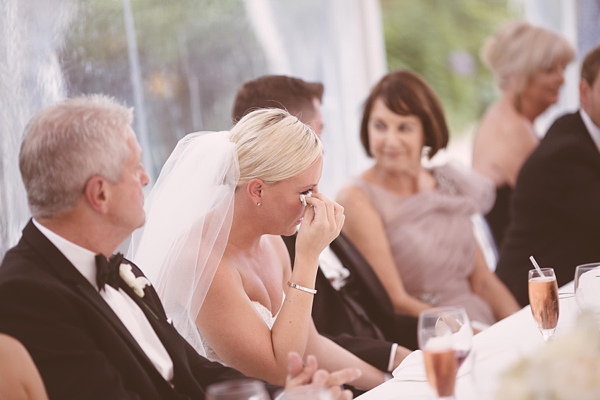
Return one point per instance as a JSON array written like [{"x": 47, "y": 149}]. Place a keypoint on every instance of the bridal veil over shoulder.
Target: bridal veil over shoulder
[{"x": 188, "y": 219}]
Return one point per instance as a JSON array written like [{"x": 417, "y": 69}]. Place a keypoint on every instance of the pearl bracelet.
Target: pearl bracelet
[{"x": 304, "y": 289}]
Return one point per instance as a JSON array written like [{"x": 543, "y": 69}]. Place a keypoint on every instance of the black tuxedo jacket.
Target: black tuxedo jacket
[
  {"x": 78, "y": 343},
  {"x": 555, "y": 208},
  {"x": 359, "y": 317}
]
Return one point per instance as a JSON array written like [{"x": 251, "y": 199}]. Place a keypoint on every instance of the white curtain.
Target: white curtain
[
  {"x": 339, "y": 43},
  {"x": 30, "y": 78}
]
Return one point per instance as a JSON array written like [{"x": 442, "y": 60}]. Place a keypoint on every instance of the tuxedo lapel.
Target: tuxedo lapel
[
  {"x": 164, "y": 330},
  {"x": 169, "y": 337},
  {"x": 69, "y": 274}
]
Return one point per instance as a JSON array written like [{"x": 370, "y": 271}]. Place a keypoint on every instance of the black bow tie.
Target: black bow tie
[{"x": 107, "y": 271}]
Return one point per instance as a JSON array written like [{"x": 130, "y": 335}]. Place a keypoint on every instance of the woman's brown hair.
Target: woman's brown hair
[{"x": 406, "y": 93}]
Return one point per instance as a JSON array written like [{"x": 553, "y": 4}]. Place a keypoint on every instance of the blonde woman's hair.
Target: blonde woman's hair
[
  {"x": 273, "y": 145},
  {"x": 519, "y": 50},
  {"x": 66, "y": 144}
]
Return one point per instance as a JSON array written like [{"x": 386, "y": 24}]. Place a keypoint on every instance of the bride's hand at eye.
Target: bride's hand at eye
[{"x": 322, "y": 222}]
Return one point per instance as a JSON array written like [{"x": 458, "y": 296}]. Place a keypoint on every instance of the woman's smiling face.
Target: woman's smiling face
[
  {"x": 395, "y": 141},
  {"x": 544, "y": 87}
]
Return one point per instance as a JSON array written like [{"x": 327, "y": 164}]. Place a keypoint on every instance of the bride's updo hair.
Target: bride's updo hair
[{"x": 273, "y": 145}]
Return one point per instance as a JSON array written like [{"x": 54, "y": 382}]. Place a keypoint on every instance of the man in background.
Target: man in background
[{"x": 556, "y": 202}]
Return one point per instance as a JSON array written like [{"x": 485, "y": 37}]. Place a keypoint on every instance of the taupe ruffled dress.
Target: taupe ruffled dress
[{"x": 431, "y": 236}]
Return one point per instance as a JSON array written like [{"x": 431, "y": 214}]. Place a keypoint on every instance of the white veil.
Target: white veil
[{"x": 188, "y": 219}]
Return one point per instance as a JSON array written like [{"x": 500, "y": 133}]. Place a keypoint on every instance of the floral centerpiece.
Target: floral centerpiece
[{"x": 566, "y": 368}]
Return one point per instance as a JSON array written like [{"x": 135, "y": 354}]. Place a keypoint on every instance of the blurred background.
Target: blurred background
[{"x": 179, "y": 63}]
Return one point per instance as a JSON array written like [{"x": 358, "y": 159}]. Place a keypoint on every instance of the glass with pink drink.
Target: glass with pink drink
[{"x": 543, "y": 298}]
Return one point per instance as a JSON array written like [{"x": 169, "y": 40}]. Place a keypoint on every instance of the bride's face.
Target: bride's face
[{"x": 282, "y": 199}]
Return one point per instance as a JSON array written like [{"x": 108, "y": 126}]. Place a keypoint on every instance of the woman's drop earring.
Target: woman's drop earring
[{"x": 425, "y": 151}]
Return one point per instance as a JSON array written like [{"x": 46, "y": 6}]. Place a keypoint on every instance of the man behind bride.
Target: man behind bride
[{"x": 93, "y": 326}]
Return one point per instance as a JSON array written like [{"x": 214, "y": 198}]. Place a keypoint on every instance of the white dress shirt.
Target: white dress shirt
[
  {"x": 126, "y": 309},
  {"x": 333, "y": 269},
  {"x": 592, "y": 128}
]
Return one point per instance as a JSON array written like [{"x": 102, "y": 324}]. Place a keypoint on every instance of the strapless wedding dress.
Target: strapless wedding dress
[{"x": 264, "y": 313}]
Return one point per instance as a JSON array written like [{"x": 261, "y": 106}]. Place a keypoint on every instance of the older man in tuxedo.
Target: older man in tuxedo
[
  {"x": 556, "y": 202},
  {"x": 92, "y": 324}
]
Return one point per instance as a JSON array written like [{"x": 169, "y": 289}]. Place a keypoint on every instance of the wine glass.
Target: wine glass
[
  {"x": 239, "y": 389},
  {"x": 462, "y": 333},
  {"x": 543, "y": 298},
  {"x": 444, "y": 335},
  {"x": 587, "y": 288}
]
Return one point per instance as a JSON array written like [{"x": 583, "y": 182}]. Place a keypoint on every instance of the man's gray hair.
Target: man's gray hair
[{"x": 66, "y": 144}]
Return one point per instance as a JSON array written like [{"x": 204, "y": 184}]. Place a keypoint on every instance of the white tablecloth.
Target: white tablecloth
[{"x": 493, "y": 350}]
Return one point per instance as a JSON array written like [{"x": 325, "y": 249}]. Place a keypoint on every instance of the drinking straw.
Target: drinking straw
[{"x": 535, "y": 264}]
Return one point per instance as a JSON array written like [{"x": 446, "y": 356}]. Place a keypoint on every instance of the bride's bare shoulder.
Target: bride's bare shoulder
[{"x": 227, "y": 273}]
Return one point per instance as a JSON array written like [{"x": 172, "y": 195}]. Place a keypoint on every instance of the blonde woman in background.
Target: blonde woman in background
[{"x": 528, "y": 63}]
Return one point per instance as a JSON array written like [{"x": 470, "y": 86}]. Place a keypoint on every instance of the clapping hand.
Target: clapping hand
[{"x": 308, "y": 374}]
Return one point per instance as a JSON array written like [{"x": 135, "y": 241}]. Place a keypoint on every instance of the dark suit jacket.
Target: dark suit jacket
[
  {"x": 555, "y": 208},
  {"x": 360, "y": 316},
  {"x": 78, "y": 343}
]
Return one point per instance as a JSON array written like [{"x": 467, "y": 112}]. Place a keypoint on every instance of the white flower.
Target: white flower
[
  {"x": 566, "y": 368},
  {"x": 136, "y": 283}
]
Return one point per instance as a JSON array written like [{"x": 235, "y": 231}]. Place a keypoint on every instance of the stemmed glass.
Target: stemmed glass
[
  {"x": 239, "y": 389},
  {"x": 543, "y": 298},
  {"x": 444, "y": 335},
  {"x": 587, "y": 288},
  {"x": 462, "y": 332}
]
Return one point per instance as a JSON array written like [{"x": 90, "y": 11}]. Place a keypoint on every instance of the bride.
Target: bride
[{"x": 212, "y": 245}]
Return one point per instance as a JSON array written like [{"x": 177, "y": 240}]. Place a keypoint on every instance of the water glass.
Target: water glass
[
  {"x": 240, "y": 389},
  {"x": 587, "y": 288},
  {"x": 543, "y": 298}
]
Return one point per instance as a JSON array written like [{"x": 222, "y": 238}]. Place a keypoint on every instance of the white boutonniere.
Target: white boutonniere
[{"x": 136, "y": 283}]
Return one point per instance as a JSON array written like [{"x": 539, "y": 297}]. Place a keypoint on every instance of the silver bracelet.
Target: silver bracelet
[{"x": 304, "y": 289}]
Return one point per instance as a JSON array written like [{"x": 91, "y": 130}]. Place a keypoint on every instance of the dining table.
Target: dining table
[{"x": 493, "y": 351}]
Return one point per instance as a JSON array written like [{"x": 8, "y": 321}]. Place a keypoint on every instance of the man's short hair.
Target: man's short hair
[
  {"x": 66, "y": 144},
  {"x": 591, "y": 66},
  {"x": 276, "y": 91}
]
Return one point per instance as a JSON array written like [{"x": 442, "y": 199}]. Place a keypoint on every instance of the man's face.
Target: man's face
[
  {"x": 590, "y": 98},
  {"x": 126, "y": 197},
  {"x": 314, "y": 119}
]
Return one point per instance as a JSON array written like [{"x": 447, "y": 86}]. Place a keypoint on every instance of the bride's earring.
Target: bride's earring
[{"x": 258, "y": 204}]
